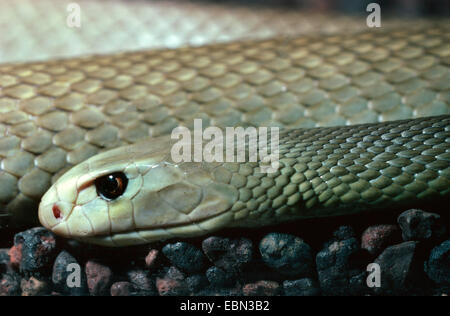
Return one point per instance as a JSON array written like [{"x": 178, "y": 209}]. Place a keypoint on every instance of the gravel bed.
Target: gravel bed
[{"x": 315, "y": 257}]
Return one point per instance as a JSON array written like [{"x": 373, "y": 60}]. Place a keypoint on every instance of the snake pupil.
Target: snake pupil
[{"x": 112, "y": 185}]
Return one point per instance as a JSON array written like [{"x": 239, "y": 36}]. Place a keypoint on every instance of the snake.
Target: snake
[{"x": 362, "y": 119}]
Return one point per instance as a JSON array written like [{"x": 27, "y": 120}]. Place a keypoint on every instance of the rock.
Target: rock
[
  {"x": 65, "y": 275},
  {"x": 302, "y": 287},
  {"x": 123, "y": 289},
  {"x": 262, "y": 288},
  {"x": 5, "y": 261},
  {"x": 229, "y": 255},
  {"x": 287, "y": 254},
  {"x": 34, "y": 287},
  {"x": 196, "y": 283},
  {"x": 4, "y": 256},
  {"x": 218, "y": 278},
  {"x": 417, "y": 225},
  {"x": 357, "y": 283},
  {"x": 10, "y": 284},
  {"x": 344, "y": 232},
  {"x": 185, "y": 257},
  {"x": 152, "y": 259},
  {"x": 172, "y": 284},
  {"x": 438, "y": 264},
  {"x": 99, "y": 278},
  {"x": 399, "y": 269},
  {"x": 171, "y": 287},
  {"x": 336, "y": 253},
  {"x": 34, "y": 250},
  {"x": 141, "y": 281},
  {"x": 339, "y": 267},
  {"x": 375, "y": 238},
  {"x": 175, "y": 273}
]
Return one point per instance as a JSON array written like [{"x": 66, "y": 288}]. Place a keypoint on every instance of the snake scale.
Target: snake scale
[{"x": 364, "y": 119}]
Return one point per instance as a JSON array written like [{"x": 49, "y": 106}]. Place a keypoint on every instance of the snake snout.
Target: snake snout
[{"x": 53, "y": 216}]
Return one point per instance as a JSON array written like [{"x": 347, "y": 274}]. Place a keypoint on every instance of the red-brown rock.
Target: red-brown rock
[
  {"x": 376, "y": 238},
  {"x": 15, "y": 256},
  {"x": 99, "y": 278},
  {"x": 34, "y": 287},
  {"x": 152, "y": 259},
  {"x": 122, "y": 289}
]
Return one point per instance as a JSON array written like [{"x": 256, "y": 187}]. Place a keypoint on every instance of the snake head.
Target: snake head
[{"x": 134, "y": 195}]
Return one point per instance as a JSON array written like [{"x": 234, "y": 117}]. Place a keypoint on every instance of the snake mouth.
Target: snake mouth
[{"x": 163, "y": 232}]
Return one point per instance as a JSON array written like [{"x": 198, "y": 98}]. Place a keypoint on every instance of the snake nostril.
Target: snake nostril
[{"x": 56, "y": 211}]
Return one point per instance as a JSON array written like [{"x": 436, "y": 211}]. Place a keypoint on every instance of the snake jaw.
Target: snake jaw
[
  {"x": 205, "y": 226},
  {"x": 62, "y": 229}
]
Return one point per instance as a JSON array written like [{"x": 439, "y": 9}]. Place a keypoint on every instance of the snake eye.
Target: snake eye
[{"x": 112, "y": 185}]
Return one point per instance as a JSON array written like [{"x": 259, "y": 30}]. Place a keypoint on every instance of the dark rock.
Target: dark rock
[
  {"x": 219, "y": 278},
  {"x": 438, "y": 264},
  {"x": 99, "y": 278},
  {"x": 399, "y": 269},
  {"x": 196, "y": 282},
  {"x": 172, "y": 284},
  {"x": 302, "y": 287},
  {"x": 417, "y": 225},
  {"x": 336, "y": 253},
  {"x": 5, "y": 261},
  {"x": 338, "y": 267},
  {"x": 185, "y": 257},
  {"x": 10, "y": 284},
  {"x": 175, "y": 273},
  {"x": 65, "y": 269},
  {"x": 34, "y": 250},
  {"x": 152, "y": 259},
  {"x": 123, "y": 289},
  {"x": 344, "y": 232},
  {"x": 142, "y": 282},
  {"x": 262, "y": 288},
  {"x": 4, "y": 256},
  {"x": 287, "y": 254},
  {"x": 35, "y": 287},
  {"x": 357, "y": 283},
  {"x": 229, "y": 255},
  {"x": 376, "y": 238}
]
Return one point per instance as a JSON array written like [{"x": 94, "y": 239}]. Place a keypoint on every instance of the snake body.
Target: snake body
[
  {"x": 322, "y": 172},
  {"x": 56, "y": 114}
]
